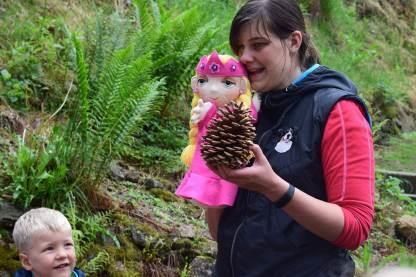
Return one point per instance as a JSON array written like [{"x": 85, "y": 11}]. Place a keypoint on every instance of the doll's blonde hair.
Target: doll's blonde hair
[{"x": 245, "y": 98}]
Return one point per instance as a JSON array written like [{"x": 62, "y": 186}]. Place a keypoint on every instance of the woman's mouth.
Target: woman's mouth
[{"x": 255, "y": 74}]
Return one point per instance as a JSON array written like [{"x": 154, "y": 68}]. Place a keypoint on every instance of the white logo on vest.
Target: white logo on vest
[{"x": 285, "y": 142}]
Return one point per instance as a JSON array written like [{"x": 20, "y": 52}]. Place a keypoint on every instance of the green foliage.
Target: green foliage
[
  {"x": 375, "y": 65},
  {"x": 166, "y": 212},
  {"x": 9, "y": 258},
  {"x": 29, "y": 52},
  {"x": 104, "y": 119},
  {"x": 399, "y": 153},
  {"x": 159, "y": 145},
  {"x": 392, "y": 192},
  {"x": 182, "y": 40},
  {"x": 185, "y": 271},
  {"x": 38, "y": 172},
  {"x": 86, "y": 227},
  {"x": 364, "y": 257},
  {"x": 97, "y": 264},
  {"x": 169, "y": 43}
]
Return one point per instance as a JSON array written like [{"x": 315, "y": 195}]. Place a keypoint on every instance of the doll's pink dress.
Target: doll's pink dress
[{"x": 200, "y": 183}]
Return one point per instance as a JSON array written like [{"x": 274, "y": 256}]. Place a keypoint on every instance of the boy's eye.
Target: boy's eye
[
  {"x": 69, "y": 244},
  {"x": 49, "y": 248}
]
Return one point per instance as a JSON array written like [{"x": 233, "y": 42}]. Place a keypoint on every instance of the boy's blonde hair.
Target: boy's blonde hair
[{"x": 37, "y": 221}]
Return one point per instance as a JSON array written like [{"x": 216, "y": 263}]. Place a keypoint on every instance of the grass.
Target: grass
[{"x": 399, "y": 154}]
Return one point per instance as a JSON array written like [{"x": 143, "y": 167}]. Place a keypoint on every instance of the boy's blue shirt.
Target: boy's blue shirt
[{"x": 26, "y": 273}]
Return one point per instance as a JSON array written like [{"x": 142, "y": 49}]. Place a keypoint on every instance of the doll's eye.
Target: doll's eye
[
  {"x": 201, "y": 81},
  {"x": 228, "y": 83}
]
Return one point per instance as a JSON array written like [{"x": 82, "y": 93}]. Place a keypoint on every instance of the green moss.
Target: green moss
[
  {"x": 164, "y": 194},
  {"x": 9, "y": 259},
  {"x": 124, "y": 261}
]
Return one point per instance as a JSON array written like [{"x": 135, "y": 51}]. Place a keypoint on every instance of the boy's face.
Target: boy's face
[{"x": 51, "y": 254}]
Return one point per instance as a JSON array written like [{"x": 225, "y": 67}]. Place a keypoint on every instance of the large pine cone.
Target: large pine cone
[{"x": 229, "y": 136}]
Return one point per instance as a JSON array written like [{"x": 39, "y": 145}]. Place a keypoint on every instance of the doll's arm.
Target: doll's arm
[
  {"x": 255, "y": 106},
  {"x": 256, "y": 101},
  {"x": 199, "y": 112}
]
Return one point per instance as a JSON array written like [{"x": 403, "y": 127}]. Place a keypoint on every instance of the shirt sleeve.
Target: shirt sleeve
[{"x": 348, "y": 165}]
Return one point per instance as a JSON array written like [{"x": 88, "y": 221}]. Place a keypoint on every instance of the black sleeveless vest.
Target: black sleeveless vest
[{"x": 255, "y": 238}]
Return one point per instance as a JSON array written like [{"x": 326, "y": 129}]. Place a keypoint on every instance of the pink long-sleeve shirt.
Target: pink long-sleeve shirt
[{"x": 348, "y": 164}]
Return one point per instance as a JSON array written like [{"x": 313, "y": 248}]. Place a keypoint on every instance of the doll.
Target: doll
[{"x": 219, "y": 80}]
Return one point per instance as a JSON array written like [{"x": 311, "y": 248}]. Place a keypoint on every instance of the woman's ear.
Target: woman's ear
[
  {"x": 194, "y": 84},
  {"x": 295, "y": 41},
  {"x": 243, "y": 85},
  {"x": 24, "y": 259}
]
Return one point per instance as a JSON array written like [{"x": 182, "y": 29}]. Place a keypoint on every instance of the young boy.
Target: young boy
[{"x": 44, "y": 239}]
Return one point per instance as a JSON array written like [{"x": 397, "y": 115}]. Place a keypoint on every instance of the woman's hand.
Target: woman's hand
[
  {"x": 320, "y": 217},
  {"x": 259, "y": 177}
]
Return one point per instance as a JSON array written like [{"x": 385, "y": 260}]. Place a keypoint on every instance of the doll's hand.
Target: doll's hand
[{"x": 199, "y": 112}]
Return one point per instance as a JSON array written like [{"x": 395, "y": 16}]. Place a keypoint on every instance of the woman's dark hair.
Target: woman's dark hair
[{"x": 280, "y": 17}]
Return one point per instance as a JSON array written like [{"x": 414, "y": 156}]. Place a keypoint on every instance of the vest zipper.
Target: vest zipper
[
  {"x": 235, "y": 235},
  {"x": 232, "y": 247}
]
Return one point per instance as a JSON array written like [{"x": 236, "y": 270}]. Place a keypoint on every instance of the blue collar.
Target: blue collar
[
  {"x": 74, "y": 274},
  {"x": 304, "y": 74}
]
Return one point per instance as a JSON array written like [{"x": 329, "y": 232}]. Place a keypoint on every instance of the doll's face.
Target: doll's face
[{"x": 218, "y": 90}]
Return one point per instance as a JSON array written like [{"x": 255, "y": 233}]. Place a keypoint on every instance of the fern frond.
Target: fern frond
[
  {"x": 97, "y": 264},
  {"x": 82, "y": 76}
]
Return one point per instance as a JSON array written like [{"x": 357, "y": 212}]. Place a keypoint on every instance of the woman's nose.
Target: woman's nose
[{"x": 246, "y": 56}]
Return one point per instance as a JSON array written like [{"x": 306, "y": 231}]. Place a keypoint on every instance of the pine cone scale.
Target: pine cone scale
[{"x": 229, "y": 137}]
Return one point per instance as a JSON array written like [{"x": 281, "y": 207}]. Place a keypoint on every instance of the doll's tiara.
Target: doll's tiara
[{"x": 213, "y": 66}]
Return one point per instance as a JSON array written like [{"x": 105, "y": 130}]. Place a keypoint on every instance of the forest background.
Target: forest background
[{"x": 94, "y": 110}]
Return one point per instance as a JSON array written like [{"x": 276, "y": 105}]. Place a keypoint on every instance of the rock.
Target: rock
[
  {"x": 4, "y": 274},
  {"x": 409, "y": 179},
  {"x": 201, "y": 267},
  {"x": 8, "y": 215},
  {"x": 119, "y": 266},
  {"x": 121, "y": 172},
  {"x": 405, "y": 229},
  {"x": 187, "y": 231},
  {"x": 209, "y": 248},
  {"x": 394, "y": 271},
  {"x": 151, "y": 183},
  {"x": 10, "y": 120},
  {"x": 133, "y": 176},
  {"x": 138, "y": 237},
  {"x": 118, "y": 173}
]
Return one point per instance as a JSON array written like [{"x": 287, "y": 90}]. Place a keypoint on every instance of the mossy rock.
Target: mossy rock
[
  {"x": 164, "y": 194},
  {"x": 9, "y": 260}
]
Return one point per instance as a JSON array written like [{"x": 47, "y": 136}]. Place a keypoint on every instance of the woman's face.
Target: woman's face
[{"x": 271, "y": 62}]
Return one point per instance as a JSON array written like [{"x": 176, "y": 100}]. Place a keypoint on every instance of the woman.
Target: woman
[{"x": 308, "y": 197}]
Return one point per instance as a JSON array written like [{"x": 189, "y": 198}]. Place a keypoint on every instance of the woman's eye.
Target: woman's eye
[
  {"x": 258, "y": 45},
  {"x": 239, "y": 50}
]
